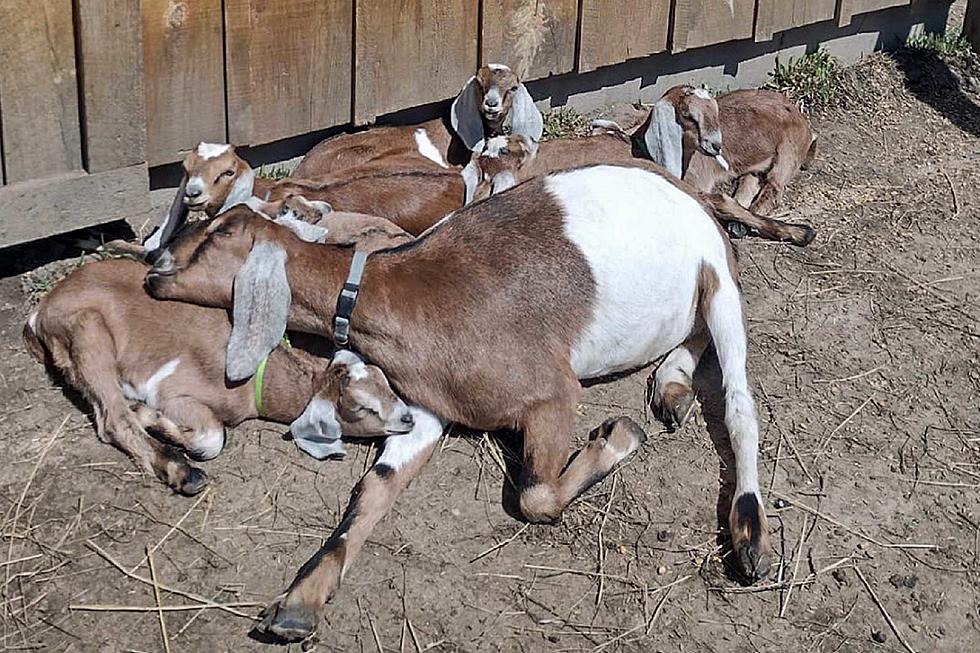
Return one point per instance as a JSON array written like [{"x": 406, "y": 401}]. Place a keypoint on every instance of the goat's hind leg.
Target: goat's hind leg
[
  {"x": 671, "y": 385},
  {"x": 784, "y": 166},
  {"x": 294, "y": 616},
  {"x": 192, "y": 426}
]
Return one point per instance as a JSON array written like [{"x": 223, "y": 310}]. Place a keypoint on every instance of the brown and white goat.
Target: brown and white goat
[
  {"x": 757, "y": 137},
  {"x": 139, "y": 366},
  {"x": 506, "y": 161},
  {"x": 490, "y": 319},
  {"x": 411, "y": 194},
  {"x": 492, "y": 98}
]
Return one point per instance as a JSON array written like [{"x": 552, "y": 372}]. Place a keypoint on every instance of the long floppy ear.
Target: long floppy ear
[
  {"x": 175, "y": 219},
  {"x": 524, "y": 116},
  {"x": 664, "y": 138},
  {"x": 317, "y": 431},
  {"x": 502, "y": 181},
  {"x": 262, "y": 299},
  {"x": 465, "y": 116},
  {"x": 310, "y": 233},
  {"x": 471, "y": 179}
]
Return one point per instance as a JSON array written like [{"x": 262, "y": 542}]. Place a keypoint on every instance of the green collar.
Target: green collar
[{"x": 260, "y": 377}]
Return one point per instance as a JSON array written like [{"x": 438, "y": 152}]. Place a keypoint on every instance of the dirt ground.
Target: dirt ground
[{"x": 863, "y": 360}]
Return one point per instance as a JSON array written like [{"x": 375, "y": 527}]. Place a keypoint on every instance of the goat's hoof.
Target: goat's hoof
[
  {"x": 806, "y": 236},
  {"x": 674, "y": 405},
  {"x": 290, "y": 623},
  {"x": 750, "y": 537},
  {"x": 194, "y": 481},
  {"x": 621, "y": 434}
]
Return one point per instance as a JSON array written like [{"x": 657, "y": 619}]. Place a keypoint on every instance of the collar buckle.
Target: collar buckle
[{"x": 347, "y": 300}]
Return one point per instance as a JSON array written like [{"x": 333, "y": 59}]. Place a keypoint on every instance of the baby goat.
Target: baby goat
[
  {"x": 117, "y": 345},
  {"x": 411, "y": 194},
  {"x": 491, "y": 99},
  {"x": 766, "y": 141},
  {"x": 505, "y": 161}
]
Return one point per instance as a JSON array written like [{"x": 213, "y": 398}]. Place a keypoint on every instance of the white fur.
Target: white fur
[
  {"x": 644, "y": 240},
  {"x": 497, "y": 66},
  {"x": 427, "y": 148},
  {"x": 502, "y": 181},
  {"x": 317, "y": 431},
  {"x": 702, "y": 93},
  {"x": 311, "y": 233},
  {"x": 148, "y": 390},
  {"x": 399, "y": 450},
  {"x": 208, "y": 444},
  {"x": 471, "y": 175},
  {"x": 664, "y": 138},
  {"x": 195, "y": 184},
  {"x": 241, "y": 190},
  {"x": 355, "y": 366},
  {"x": 32, "y": 321},
  {"x": 723, "y": 162},
  {"x": 493, "y": 146},
  {"x": 212, "y": 150}
]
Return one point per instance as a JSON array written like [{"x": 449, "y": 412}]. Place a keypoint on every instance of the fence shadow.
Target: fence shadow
[{"x": 932, "y": 81}]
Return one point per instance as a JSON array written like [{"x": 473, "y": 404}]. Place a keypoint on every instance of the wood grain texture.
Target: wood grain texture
[
  {"x": 43, "y": 207},
  {"x": 39, "y": 88},
  {"x": 847, "y": 9},
  {"x": 613, "y": 31},
  {"x": 778, "y": 15},
  {"x": 698, "y": 23},
  {"x": 289, "y": 67},
  {"x": 536, "y": 38},
  {"x": 184, "y": 76},
  {"x": 110, "y": 61},
  {"x": 410, "y": 52}
]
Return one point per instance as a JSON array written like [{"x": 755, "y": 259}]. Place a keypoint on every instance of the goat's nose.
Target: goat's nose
[
  {"x": 492, "y": 102},
  {"x": 193, "y": 192},
  {"x": 407, "y": 418}
]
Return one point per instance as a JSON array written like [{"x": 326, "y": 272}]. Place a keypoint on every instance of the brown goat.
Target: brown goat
[
  {"x": 118, "y": 346},
  {"x": 506, "y": 161},
  {"x": 491, "y": 98},
  {"x": 490, "y": 320},
  {"x": 766, "y": 141}
]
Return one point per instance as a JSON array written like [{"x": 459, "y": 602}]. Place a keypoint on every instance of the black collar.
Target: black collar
[{"x": 347, "y": 300}]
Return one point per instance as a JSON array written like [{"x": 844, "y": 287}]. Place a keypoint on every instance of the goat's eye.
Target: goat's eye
[
  {"x": 504, "y": 151},
  {"x": 513, "y": 88},
  {"x": 229, "y": 172}
]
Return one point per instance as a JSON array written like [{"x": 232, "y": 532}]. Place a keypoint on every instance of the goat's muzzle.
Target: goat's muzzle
[
  {"x": 711, "y": 144},
  {"x": 400, "y": 424}
]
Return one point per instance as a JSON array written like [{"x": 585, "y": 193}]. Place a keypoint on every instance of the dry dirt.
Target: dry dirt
[{"x": 863, "y": 361}]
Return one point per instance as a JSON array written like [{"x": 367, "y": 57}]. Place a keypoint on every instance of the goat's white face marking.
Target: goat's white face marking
[
  {"x": 497, "y": 66},
  {"x": 400, "y": 450},
  {"x": 427, "y": 148},
  {"x": 209, "y": 443},
  {"x": 212, "y": 150},
  {"x": 493, "y": 146},
  {"x": 702, "y": 93},
  {"x": 241, "y": 191},
  {"x": 195, "y": 184},
  {"x": 355, "y": 366},
  {"x": 148, "y": 390}
]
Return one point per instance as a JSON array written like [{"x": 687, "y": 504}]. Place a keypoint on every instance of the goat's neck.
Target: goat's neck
[{"x": 291, "y": 377}]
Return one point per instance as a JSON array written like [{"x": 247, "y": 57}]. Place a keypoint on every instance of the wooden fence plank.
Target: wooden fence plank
[
  {"x": 536, "y": 38},
  {"x": 184, "y": 76},
  {"x": 778, "y": 15},
  {"x": 289, "y": 67},
  {"x": 613, "y": 31},
  {"x": 971, "y": 24},
  {"x": 846, "y": 9},
  {"x": 698, "y": 23},
  {"x": 110, "y": 61},
  {"x": 39, "y": 89},
  {"x": 409, "y": 52}
]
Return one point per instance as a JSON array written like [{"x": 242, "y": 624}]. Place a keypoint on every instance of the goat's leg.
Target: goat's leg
[
  {"x": 295, "y": 615},
  {"x": 725, "y": 210},
  {"x": 93, "y": 371},
  {"x": 748, "y": 189},
  {"x": 671, "y": 385},
  {"x": 549, "y": 481},
  {"x": 785, "y": 165},
  {"x": 200, "y": 433}
]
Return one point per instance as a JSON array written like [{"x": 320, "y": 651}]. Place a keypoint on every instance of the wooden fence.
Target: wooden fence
[{"x": 92, "y": 92}]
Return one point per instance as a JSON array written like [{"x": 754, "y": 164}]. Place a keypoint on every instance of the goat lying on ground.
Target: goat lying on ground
[
  {"x": 489, "y": 320},
  {"x": 105, "y": 334},
  {"x": 411, "y": 194},
  {"x": 489, "y": 100},
  {"x": 506, "y": 161},
  {"x": 766, "y": 141}
]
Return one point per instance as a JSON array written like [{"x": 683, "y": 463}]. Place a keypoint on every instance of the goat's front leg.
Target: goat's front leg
[
  {"x": 672, "y": 391},
  {"x": 748, "y": 189},
  {"x": 295, "y": 616},
  {"x": 549, "y": 482},
  {"x": 185, "y": 423}
]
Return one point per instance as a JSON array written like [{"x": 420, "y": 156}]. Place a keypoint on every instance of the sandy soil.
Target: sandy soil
[{"x": 863, "y": 360}]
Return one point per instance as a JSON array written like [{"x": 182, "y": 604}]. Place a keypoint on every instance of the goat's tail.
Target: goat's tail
[
  {"x": 723, "y": 314},
  {"x": 610, "y": 127},
  {"x": 811, "y": 155},
  {"x": 726, "y": 210}
]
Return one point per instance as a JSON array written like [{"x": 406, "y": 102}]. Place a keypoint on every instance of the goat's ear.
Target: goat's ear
[
  {"x": 525, "y": 119},
  {"x": 310, "y": 233},
  {"x": 465, "y": 116},
  {"x": 471, "y": 179},
  {"x": 262, "y": 299},
  {"x": 664, "y": 138},
  {"x": 502, "y": 181},
  {"x": 176, "y": 217},
  {"x": 317, "y": 431}
]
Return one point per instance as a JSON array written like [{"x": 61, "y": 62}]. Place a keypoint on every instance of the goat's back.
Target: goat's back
[{"x": 755, "y": 123}]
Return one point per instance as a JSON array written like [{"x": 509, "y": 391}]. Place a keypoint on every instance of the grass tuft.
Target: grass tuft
[
  {"x": 564, "y": 123},
  {"x": 275, "y": 172},
  {"x": 813, "y": 81},
  {"x": 950, "y": 44}
]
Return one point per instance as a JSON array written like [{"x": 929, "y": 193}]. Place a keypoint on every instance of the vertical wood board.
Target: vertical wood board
[
  {"x": 184, "y": 76},
  {"x": 536, "y": 38},
  {"x": 779, "y": 15},
  {"x": 411, "y": 52},
  {"x": 39, "y": 88},
  {"x": 698, "y": 23},
  {"x": 847, "y": 9},
  {"x": 613, "y": 31}
]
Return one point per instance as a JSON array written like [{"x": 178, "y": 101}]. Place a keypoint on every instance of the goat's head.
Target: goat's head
[
  {"x": 215, "y": 178},
  {"x": 487, "y": 100},
  {"x": 683, "y": 114},
  {"x": 495, "y": 167}
]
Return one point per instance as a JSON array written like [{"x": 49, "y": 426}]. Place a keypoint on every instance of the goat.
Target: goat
[
  {"x": 105, "y": 334},
  {"x": 490, "y": 319},
  {"x": 411, "y": 194},
  {"x": 490, "y": 99},
  {"x": 766, "y": 141},
  {"x": 505, "y": 161},
  {"x": 366, "y": 233}
]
